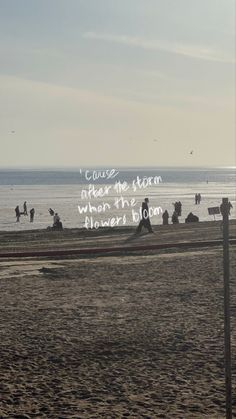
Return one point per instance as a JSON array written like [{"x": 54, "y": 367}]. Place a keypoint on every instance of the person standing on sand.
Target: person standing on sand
[
  {"x": 32, "y": 212},
  {"x": 17, "y": 211},
  {"x": 145, "y": 221},
  {"x": 165, "y": 217},
  {"x": 25, "y": 208},
  {"x": 175, "y": 219}
]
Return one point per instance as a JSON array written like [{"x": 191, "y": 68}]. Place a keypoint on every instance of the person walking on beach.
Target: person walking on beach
[
  {"x": 196, "y": 198},
  {"x": 32, "y": 212},
  {"x": 145, "y": 220},
  {"x": 25, "y": 208},
  {"x": 230, "y": 206},
  {"x": 165, "y": 217},
  {"x": 199, "y": 198},
  {"x": 17, "y": 211}
]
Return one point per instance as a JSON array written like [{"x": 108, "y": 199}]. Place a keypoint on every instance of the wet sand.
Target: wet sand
[{"x": 136, "y": 335}]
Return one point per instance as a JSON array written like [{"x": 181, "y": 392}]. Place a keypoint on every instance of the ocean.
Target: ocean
[{"x": 89, "y": 198}]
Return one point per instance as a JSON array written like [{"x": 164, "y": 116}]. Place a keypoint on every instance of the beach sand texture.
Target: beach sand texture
[{"x": 137, "y": 335}]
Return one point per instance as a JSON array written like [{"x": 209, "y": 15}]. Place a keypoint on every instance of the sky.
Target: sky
[{"x": 117, "y": 83}]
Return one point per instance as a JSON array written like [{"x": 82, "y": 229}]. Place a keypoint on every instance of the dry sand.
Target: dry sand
[{"x": 136, "y": 335}]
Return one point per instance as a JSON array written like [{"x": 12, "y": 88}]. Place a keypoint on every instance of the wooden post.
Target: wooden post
[{"x": 228, "y": 384}]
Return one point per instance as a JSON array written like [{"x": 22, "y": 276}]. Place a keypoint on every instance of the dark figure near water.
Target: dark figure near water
[
  {"x": 145, "y": 221},
  {"x": 25, "y": 208},
  {"x": 175, "y": 219},
  {"x": 51, "y": 212},
  {"x": 178, "y": 208},
  {"x": 32, "y": 212},
  {"x": 17, "y": 211},
  {"x": 191, "y": 218},
  {"x": 165, "y": 217},
  {"x": 198, "y": 198},
  {"x": 230, "y": 206},
  {"x": 57, "y": 224}
]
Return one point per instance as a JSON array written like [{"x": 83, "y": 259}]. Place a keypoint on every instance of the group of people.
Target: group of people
[
  {"x": 191, "y": 218},
  {"x": 24, "y": 212},
  {"x": 178, "y": 208},
  {"x": 145, "y": 220},
  {"x": 57, "y": 224}
]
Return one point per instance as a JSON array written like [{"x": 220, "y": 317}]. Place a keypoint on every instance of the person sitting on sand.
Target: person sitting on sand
[
  {"x": 145, "y": 221},
  {"x": 191, "y": 218},
  {"x": 165, "y": 217},
  {"x": 17, "y": 211},
  {"x": 57, "y": 224},
  {"x": 175, "y": 219}
]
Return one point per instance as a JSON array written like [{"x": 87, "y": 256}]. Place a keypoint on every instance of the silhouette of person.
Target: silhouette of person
[
  {"x": 25, "y": 208},
  {"x": 57, "y": 224},
  {"x": 32, "y": 212},
  {"x": 230, "y": 206},
  {"x": 191, "y": 218},
  {"x": 165, "y": 217},
  {"x": 145, "y": 220},
  {"x": 174, "y": 218},
  {"x": 17, "y": 211}
]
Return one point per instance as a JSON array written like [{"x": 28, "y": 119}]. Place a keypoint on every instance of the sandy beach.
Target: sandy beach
[{"x": 134, "y": 334}]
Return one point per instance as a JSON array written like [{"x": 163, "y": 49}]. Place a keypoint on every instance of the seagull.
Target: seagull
[{"x": 191, "y": 152}]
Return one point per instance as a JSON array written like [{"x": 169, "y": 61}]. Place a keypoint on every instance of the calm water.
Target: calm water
[{"x": 61, "y": 190}]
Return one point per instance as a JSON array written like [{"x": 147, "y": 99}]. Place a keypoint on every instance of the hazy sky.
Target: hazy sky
[{"x": 95, "y": 82}]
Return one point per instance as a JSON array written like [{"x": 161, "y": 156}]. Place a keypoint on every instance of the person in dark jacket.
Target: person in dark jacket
[
  {"x": 165, "y": 217},
  {"x": 145, "y": 220},
  {"x": 17, "y": 211},
  {"x": 25, "y": 208},
  {"x": 174, "y": 218},
  {"x": 191, "y": 218},
  {"x": 32, "y": 212}
]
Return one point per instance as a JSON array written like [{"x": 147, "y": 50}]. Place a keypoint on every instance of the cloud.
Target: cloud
[{"x": 191, "y": 51}]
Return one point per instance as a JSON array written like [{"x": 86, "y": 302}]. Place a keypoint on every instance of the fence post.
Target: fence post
[{"x": 228, "y": 384}]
